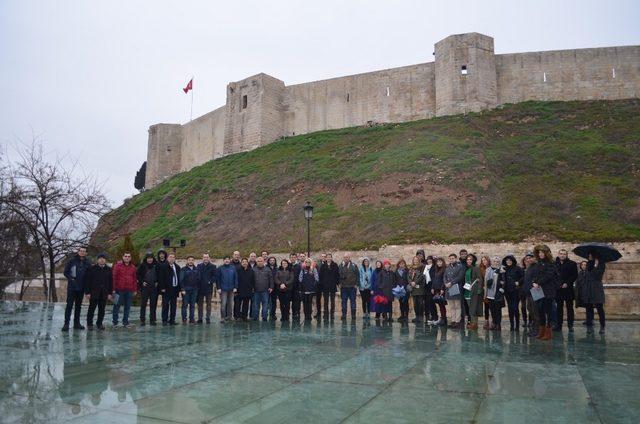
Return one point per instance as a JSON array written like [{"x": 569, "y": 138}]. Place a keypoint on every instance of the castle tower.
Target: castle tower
[
  {"x": 255, "y": 114},
  {"x": 465, "y": 74},
  {"x": 164, "y": 153}
]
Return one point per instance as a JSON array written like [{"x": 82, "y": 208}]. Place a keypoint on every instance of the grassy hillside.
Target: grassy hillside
[{"x": 544, "y": 170}]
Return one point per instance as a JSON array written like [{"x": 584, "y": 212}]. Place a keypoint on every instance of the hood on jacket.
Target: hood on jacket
[
  {"x": 542, "y": 248},
  {"x": 513, "y": 260},
  {"x": 366, "y": 259},
  {"x": 165, "y": 255}
]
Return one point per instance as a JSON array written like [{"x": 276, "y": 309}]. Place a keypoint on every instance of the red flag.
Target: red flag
[{"x": 189, "y": 86}]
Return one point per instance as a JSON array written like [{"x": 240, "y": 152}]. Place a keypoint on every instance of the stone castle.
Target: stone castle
[{"x": 466, "y": 76}]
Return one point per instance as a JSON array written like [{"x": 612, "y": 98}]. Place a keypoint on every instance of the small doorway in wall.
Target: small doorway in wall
[
  {"x": 244, "y": 101},
  {"x": 463, "y": 70}
]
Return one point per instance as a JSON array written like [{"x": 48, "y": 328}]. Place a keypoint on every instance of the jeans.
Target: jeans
[
  {"x": 124, "y": 298},
  {"x": 226, "y": 304},
  {"x": 296, "y": 298},
  {"x": 74, "y": 302},
  {"x": 348, "y": 294},
  {"x": 169, "y": 305},
  {"x": 523, "y": 307},
  {"x": 285, "y": 303},
  {"x": 189, "y": 298},
  {"x": 318, "y": 304},
  {"x": 431, "y": 309},
  {"x": 366, "y": 301},
  {"x": 150, "y": 296},
  {"x": 455, "y": 309},
  {"x": 260, "y": 301},
  {"x": 600, "y": 309},
  {"x": 560, "y": 313},
  {"x": 101, "y": 304},
  {"x": 204, "y": 299},
  {"x": 404, "y": 307}
]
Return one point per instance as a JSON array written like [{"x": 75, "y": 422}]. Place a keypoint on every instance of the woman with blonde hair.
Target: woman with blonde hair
[{"x": 485, "y": 263}]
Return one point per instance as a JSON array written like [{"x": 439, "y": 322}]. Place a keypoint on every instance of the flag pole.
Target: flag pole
[{"x": 191, "y": 113}]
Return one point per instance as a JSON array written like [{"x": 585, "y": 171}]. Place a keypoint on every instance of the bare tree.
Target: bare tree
[{"x": 57, "y": 204}]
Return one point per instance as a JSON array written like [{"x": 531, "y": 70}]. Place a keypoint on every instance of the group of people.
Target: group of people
[{"x": 443, "y": 291}]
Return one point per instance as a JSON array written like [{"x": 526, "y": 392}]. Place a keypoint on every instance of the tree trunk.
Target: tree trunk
[{"x": 52, "y": 279}]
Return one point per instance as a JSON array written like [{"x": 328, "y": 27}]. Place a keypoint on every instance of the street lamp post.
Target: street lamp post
[{"x": 308, "y": 214}]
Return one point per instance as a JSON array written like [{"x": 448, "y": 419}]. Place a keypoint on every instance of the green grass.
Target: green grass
[{"x": 556, "y": 170}]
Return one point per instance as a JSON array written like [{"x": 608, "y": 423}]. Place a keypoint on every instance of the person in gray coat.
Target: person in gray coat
[
  {"x": 454, "y": 275},
  {"x": 263, "y": 286}
]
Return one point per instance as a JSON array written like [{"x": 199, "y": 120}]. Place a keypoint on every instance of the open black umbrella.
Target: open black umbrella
[{"x": 603, "y": 251}]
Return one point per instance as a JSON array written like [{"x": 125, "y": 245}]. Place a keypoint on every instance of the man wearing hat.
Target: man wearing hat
[{"x": 98, "y": 287}]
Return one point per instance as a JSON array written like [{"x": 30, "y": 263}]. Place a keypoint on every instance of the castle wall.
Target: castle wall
[
  {"x": 261, "y": 109},
  {"x": 584, "y": 74},
  {"x": 354, "y": 100},
  {"x": 203, "y": 139},
  {"x": 164, "y": 152}
]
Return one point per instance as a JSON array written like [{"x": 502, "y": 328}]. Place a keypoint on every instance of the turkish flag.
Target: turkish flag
[{"x": 189, "y": 86}]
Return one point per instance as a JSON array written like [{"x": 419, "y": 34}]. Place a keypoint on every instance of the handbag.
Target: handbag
[
  {"x": 454, "y": 290},
  {"x": 537, "y": 293}
]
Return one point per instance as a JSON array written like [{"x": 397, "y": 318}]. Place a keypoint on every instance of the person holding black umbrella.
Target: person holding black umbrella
[{"x": 592, "y": 291}]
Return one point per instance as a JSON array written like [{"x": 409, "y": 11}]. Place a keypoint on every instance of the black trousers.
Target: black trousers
[
  {"x": 273, "y": 299},
  {"x": 496, "y": 312},
  {"x": 307, "y": 300},
  {"x": 74, "y": 303},
  {"x": 329, "y": 300},
  {"x": 148, "y": 296},
  {"x": 419, "y": 306},
  {"x": 545, "y": 308},
  {"x": 284, "y": 297},
  {"x": 431, "y": 308},
  {"x": 366, "y": 301},
  {"x": 523, "y": 306},
  {"x": 241, "y": 307},
  {"x": 100, "y": 303},
  {"x": 600, "y": 308},
  {"x": 203, "y": 301},
  {"x": 404, "y": 307},
  {"x": 513, "y": 299},
  {"x": 562, "y": 303},
  {"x": 296, "y": 298},
  {"x": 169, "y": 303}
]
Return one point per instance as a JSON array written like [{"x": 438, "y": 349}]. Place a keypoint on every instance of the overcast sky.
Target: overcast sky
[{"x": 90, "y": 77}]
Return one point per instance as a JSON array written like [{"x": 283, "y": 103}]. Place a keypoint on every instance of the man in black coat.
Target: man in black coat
[
  {"x": 75, "y": 271},
  {"x": 98, "y": 287},
  {"x": 568, "y": 272},
  {"x": 329, "y": 279},
  {"x": 169, "y": 288},
  {"x": 208, "y": 273},
  {"x": 147, "y": 275}
]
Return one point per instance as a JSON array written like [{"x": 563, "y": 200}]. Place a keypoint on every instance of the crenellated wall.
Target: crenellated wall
[{"x": 466, "y": 76}]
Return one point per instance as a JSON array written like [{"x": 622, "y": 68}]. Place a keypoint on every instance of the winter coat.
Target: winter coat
[
  {"x": 208, "y": 277},
  {"x": 98, "y": 282},
  {"x": 308, "y": 280},
  {"x": 591, "y": 289},
  {"x": 366, "y": 277},
  {"x": 263, "y": 279},
  {"x": 454, "y": 274},
  {"x": 545, "y": 276},
  {"x": 476, "y": 303},
  {"x": 125, "y": 277},
  {"x": 385, "y": 282},
  {"x": 75, "y": 271},
  {"x": 568, "y": 273},
  {"x": 512, "y": 275},
  {"x": 529, "y": 276},
  {"x": 329, "y": 277},
  {"x": 494, "y": 282},
  {"x": 166, "y": 275},
  {"x": 147, "y": 273},
  {"x": 246, "y": 280},
  {"x": 402, "y": 277},
  {"x": 349, "y": 275},
  {"x": 286, "y": 277},
  {"x": 189, "y": 278},
  {"x": 437, "y": 280},
  {"x": 417, "y": 276},
  {"x": 227, "y": 278}
]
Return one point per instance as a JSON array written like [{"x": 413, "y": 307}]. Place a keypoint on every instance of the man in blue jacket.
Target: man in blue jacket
[
  {"x": 208, "y": 277},
  {"x": 189, "y": 284},
  {"x": 75, "y": 271},
  {"x": 227, "y": 287}
]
